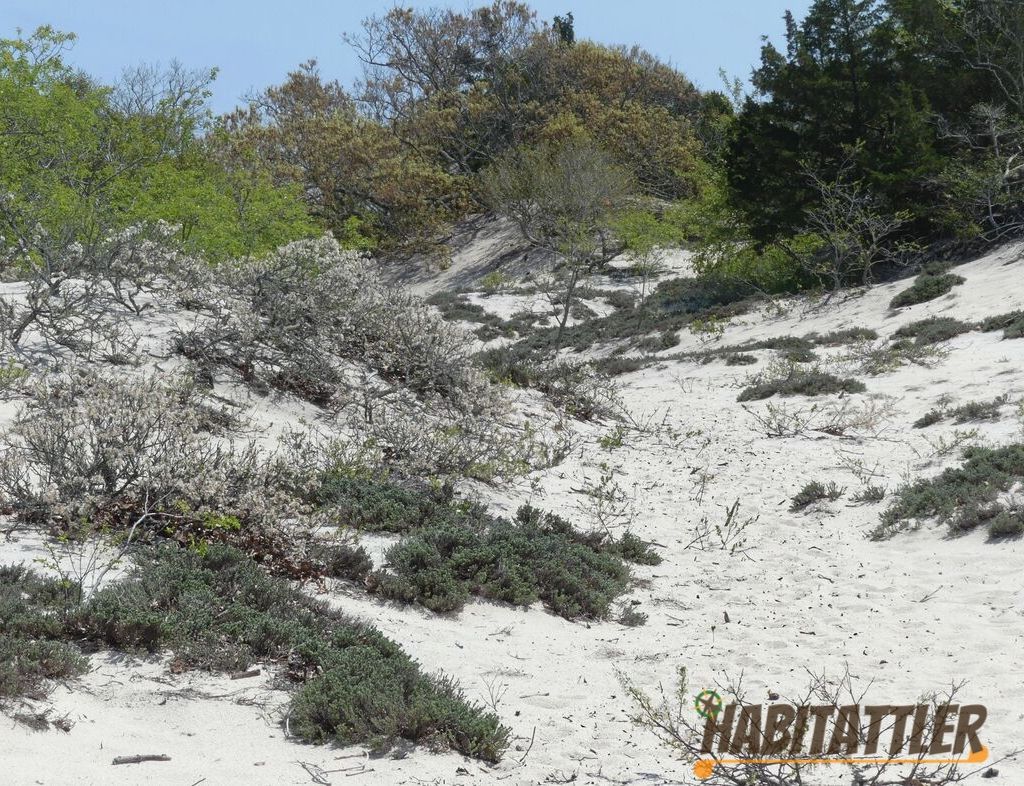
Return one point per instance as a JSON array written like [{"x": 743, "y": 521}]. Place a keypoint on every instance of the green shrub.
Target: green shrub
[
  {"x": 801, "y": 383},
  {"x": 959, "y": 496},
  {"x": 930, "y": 418},
  {"x": 933, "y": 330},
  {"x": 926, "y": 287},
  {"x": 617, "y": 365},
  {"x": 536, "y": 557},
  {"x": 739, "y": 359},
  {"x": 1011, "y": 323},
  {"x": 1007, "y": 524},
  {"x": 815, "y": 491},
  {"x": 221, "y": 611},
  {"x": 840, "y": 337},
  {"x": 32, "y": 619},
  {"x": 658, "y": 343},
  {"x": 376, "y": 505},
  {"x": 974, "y": 411},
  {"x": 868, "y": 494},
  {"x": 799, "y": 355}
]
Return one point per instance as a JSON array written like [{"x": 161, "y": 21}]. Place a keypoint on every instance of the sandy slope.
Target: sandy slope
[{"x": 912, "y": 614}]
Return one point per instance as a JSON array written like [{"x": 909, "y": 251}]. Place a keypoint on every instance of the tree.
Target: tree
[
  {"x": 856, "y": 235},
  {"x": 846, "y": 80},
  {"x": 563, "y": 198},
  {"x": 355, "y": 175},
  {"x": 80, "y": 161}
]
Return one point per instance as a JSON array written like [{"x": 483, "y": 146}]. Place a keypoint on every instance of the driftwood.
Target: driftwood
[{"x": 141, "y": 758}]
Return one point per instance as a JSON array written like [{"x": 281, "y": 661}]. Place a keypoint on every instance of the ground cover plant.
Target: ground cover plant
[
  {"x": 33, "y": 651},
  {"x": 219, "y": 611},
  {"x": 964, "y": 497},
  {"x": 799, "y": 382},
  {"x": 927, "y": 286},
  {"x": 970, "y": 412},
  {"x": 535, "y": 557},
  {"x": 933, "y": 330},
  {"x": 1011, "y": 323},
  {"x": 815, "y": 491}
]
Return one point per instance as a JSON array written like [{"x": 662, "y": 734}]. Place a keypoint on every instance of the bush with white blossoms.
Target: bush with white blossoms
[
  {"x": 81, "y": 297},
  {"x": 104, "y": 449},
  {"x": 315, "y": 320}
]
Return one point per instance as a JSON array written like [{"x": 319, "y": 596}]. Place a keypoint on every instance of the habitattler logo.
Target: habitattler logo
[{"x": 884, "y": 734}]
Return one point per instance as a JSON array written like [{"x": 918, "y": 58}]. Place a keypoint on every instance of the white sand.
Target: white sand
[{"x": 912, "y": 614}]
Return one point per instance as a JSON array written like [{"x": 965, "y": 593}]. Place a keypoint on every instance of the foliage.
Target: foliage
[
  {"x": 538, "y": 556},
  {"x": 32, "y": 613},
  {"x": 961, "y": 497},
  {"x": 799, "y": 382},
  {"x": 926, "y": 287},
  {"x": 1011, "y": 323},
  {"x": 220, "y": 611},
  {"x": 90, "y": 160},
  {"x": 815, "y": 491},
  {"x": 933, "y": 330}
]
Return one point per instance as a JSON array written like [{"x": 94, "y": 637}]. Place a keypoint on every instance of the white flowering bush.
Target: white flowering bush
[
  {"x": 107, "y": 449},
  {"x": 81, "y": 297},
  {"x": 316, "y": 321}
]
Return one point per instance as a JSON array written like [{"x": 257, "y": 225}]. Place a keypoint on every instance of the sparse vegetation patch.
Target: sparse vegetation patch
[{"x": 962, "y": 497}]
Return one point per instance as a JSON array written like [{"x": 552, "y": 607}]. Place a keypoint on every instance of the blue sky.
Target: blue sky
[{"x": 256, "y": 42}]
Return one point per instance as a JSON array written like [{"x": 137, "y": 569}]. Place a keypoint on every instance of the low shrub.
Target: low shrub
[
  {"x": 970, "y": 412},
  {"x": 974, "y": 411},
  {"x": 376, "y": 505},
  {"x": 739, "y": 359},
  {"x": 930, "y": 418},
  {"x": 926, "y": 287},
  {"x": 868, "y": 494},
  {"x": 933, "y": 330},
  {"x": 1011, "y": 323},
  {"x": 847, "y": 336},
  {"x": 815, "y": 491},
  {"x": 958, "y": 496},
  {"x": 801, "y": 383},
  {"x": 536, "y": 557},
  {"x": 33, "y": 610},
  {"x": 658, "y": 343},
  {"x": 219, "y": 611}
]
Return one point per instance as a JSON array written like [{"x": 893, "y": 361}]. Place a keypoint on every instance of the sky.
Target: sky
[{"x": 255, "y": 43}]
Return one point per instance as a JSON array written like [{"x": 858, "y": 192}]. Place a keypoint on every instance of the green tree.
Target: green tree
[{"x": 844, "y": 83}]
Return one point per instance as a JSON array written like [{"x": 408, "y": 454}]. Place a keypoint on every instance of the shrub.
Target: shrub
[
  {"x": 739, "y": 359},
  {"x": 220, "y": 611},
  {"x": 32, "y": 611},
  {"x": 868, "y": 494},
  {"x": 815, "y": 491},
  {"x": 847, "y": 336},
  {"x": 101, "y": 448},
  {"x": 933, "y": 330},
  {"x": 1011, "y": 323},
  {"x": 959, "y": 495},
  {"x": 375, "y": 505},
  {"x": 978, "y": 410},
  {"x": 801, "y": 383},
  {"x": 658, "y": 343},
  {"x": 926, "y": 287},
  {"x": 1007, "y": 524},
  {"x": 616, "y": 365},
  {"x": 930, "y": 418},
  {"x": 538, "y": 556}
]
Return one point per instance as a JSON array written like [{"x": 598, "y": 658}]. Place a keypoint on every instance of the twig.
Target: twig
[
  {"x": 141, "y": 758},
  {"x": 529, "y": 747}
]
